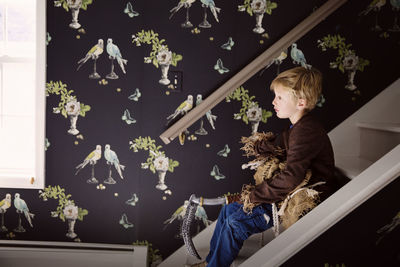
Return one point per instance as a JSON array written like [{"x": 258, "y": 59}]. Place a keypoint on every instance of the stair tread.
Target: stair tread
[{"x": 382, "y": 126}]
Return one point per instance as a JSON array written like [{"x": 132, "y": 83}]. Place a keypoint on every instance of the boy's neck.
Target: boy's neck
[{"x": 297, "y": 116}]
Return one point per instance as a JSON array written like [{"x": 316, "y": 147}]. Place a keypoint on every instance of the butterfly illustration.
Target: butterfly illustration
[
  {"x": 127, "y": 117},
  {"x": 219, "y": 67},
  {"x": 224, "y": 152},
  {"x": 321, "y": 101},
  {"x": 135, "y": 96},
  {"x": 48, "y": 38},
  {"x": 216, "y": 174},
  {"x": 124, "y": 222},
  {"x": 129, "y": 10},
  {"x": 228, "y": 45},
  {"x": 133, "y": 200}
]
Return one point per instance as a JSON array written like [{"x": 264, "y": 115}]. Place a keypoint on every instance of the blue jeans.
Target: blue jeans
[{"x": 233, "y": 227}]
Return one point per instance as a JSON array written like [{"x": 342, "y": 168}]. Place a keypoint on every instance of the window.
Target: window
[{"x": 22, "y": 93}]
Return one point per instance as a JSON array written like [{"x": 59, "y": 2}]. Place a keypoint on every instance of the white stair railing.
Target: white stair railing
[{"x": 329, "y": 212}]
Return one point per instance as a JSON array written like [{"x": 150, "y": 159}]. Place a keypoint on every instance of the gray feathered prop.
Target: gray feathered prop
[{"x": 191, "y": 209}]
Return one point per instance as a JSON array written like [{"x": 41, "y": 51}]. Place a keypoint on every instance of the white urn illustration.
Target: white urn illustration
[
  {"x": 161, "y": 164},
  {"x": 258, "y": 8},
  {"x": 71, "y": 214},
  {"x": 73, "y": 109},
  {"x": 254, "y": 114},
  {"x": 74, "y": 5},
  {"x": 164, "y": 58},
  {"x": 350, "y": 64}
]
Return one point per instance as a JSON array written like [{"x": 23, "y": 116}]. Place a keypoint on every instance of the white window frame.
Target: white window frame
[{"x": 37, "y": 180}]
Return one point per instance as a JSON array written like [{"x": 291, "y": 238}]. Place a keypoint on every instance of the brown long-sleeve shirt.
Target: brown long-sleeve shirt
[{"x": 307, "y": 146}]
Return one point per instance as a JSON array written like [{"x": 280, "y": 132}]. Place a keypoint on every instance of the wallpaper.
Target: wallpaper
[{"x": 119, "y": 73}]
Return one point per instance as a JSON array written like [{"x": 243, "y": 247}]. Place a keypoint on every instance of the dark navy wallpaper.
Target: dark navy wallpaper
[{"x": 119, "y": 73}]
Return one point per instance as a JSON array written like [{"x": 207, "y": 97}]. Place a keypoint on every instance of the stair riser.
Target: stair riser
[{"x": 376, "y": 143}]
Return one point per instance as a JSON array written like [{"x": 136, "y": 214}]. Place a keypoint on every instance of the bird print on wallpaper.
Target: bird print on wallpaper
[
  {"x": 277, "y": 61},
  {"x": 115, "y": 54},
  {"x": 183, "y": 108},
  {"x": 94, "y": 53},
  {"x": 210, "y": 117},
  {"x": 182, "y": 3},
  {"x": 178, "y": 214},
  {"x": 211, "y": 5},
  {"x": 396, "y": 8},
  {"x": 374, "y": 5},
  {"x": 21, "y": 207},
  {"x": 298, "y": 57},
  {"x": 112, "y": 159},
  {"x": 4, "y": 205},
  {"x": 90, "y": 159}
]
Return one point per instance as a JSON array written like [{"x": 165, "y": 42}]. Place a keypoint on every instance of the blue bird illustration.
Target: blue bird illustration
[
  {"x": 114, "y": 53},
  {"x": 21, "y": 206},
  {"x": 211, "y": 5},
  {"x": 182, "y": 3},
  {"x": 202, "y": 215},
  {"x": 395, "y": 4},
  {"x": 298, "y": 57},
  {"x": 210, "y": 117},
  {"x": 112, "y": 159}
]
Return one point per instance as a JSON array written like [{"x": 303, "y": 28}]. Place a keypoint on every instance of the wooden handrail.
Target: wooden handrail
[{"x": 252, "y": 68}]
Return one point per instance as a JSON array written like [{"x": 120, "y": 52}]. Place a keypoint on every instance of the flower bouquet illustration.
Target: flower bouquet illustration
[
  {"x": 74, "y": 6},
  {"x": 68, "y": 106},
  {"x": 250, "y": 111},
  {"x": 346, "y": 60},
  {"x": 66, "y": 210},
  {"x": 258, "y": 8},
  {"x": 160, "y": 54},
  {"x": 157, "y": 160}
]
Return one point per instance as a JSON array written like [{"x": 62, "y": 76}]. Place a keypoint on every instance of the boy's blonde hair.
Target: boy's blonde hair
[{"x": 305, "y": 84}]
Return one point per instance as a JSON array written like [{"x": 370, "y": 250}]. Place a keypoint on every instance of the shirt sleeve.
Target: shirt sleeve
[{"x": 304, "y": 144}]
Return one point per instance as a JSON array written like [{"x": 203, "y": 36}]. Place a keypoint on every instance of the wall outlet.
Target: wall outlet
[{"x": 176, "y": 78}]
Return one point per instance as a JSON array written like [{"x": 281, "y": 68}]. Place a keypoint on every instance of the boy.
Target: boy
[{"x": 307, "y": 146}]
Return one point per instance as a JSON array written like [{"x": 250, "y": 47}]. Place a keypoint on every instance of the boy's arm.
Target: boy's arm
[{"x": 304, "y": 144}]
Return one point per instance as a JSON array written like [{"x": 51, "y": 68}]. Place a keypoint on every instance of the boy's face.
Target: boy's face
[{"x": 286, "y": 105}]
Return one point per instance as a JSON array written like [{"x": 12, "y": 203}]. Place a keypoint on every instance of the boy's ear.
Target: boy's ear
[{"x": 301, "y": 103}]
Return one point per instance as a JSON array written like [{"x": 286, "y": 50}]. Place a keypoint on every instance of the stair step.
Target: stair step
[
  {"x": 382, "y": 126},
  {"x": 352, "y": 166}
]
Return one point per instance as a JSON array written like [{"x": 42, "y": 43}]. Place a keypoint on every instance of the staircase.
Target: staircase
[{"x": 367, "y": 150}]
